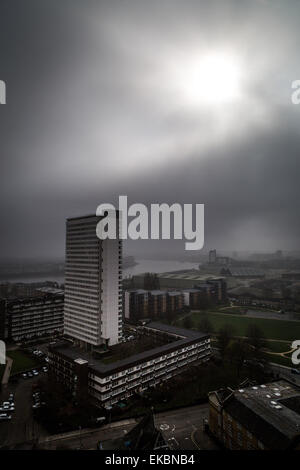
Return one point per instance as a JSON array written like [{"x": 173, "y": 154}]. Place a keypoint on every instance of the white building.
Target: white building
[{"x": 93, "y": 284}]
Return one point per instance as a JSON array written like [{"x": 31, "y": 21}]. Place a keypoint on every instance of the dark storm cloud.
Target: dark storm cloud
[{"x": 91, "y": 114}]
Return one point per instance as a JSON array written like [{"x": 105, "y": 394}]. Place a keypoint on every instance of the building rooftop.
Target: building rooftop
[
  {"x": 50, "y": 290},
  {"x": 175, "y": 330},
  {"x": 242, "y": 272},
  {"x": 190, "y": 276},
  {"x": 183, "y": 338},
  {"x": 269, "y": 411}
]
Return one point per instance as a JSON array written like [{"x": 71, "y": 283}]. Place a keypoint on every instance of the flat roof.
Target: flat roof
[
  {"x": 241, "y": 271},
  {"x": 190, "y": 276},
  {"x": 266, "y": 412},
  {"x": 81, "y": 361},
  {"x": 175, "y": 330},
  {"x": 157, "y": 292},
  {"x": 186, "y": 337}
]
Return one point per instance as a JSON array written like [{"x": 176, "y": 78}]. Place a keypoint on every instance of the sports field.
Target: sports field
[{"x": 272, "y": 329}]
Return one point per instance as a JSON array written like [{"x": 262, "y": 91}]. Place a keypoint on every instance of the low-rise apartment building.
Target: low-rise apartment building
[
  {"x": 153, "y": 304},
  {"x": 30, "y": 317},
  {"x": 108, "y": 383}
]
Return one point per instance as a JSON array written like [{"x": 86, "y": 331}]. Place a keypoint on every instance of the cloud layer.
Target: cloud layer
[{"x": 93, "y": 111}]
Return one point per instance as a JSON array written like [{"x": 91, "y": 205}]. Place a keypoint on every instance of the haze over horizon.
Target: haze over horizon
[{"x": 107, "y": 98}]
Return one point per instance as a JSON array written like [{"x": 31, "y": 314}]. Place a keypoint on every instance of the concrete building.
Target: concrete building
[
  {"x": 157, "y": 303},
  {"x": 26, "y": 318},
  {"x": 192, "y": 298},
  {"x": 153, "y": 304},
  {"x": 188, "y": 280},
  {"x": 136, "y": 304},
  {"x": 257, "y": 417},
  {"x": 108, "y": 382},
  {"x": 212, "y": 256},
  {"x": 243, "y": 272},
  {"x": 175, "y": 301},
  {"x": 93, "y": 284}
]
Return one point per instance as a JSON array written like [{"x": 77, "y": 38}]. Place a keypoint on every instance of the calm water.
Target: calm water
[
  {"x": 157, "y": 266},
  {"x": 144, "y": 265}
]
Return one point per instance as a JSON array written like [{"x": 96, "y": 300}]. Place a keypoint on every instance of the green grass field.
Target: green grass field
[
  {"x": 278, "y": 346},
  {"x": 272, "y": 329},
  {"x": 283, "y": 361}
]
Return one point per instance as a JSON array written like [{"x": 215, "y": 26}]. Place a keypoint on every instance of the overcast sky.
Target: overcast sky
[{"x": 100, "y": 102}]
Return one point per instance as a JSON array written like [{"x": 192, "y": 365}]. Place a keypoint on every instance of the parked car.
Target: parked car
[{"x": 5, "y": 417}]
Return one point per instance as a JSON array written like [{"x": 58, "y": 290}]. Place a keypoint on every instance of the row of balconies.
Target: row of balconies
[
  {"x": 31, "y": 313},
  {"x": 161, "y": 364},
  {"x": 131, "y": 384},
  {"x": 38, "y": 321},
  {"x": 41, "y": 328}
]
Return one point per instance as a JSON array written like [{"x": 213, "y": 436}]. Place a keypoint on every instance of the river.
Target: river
[{"x": 142, "y": 266}]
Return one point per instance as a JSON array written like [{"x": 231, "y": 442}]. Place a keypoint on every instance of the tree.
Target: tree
[
  {"x": 238, "y": 353},
  {"x": 205, "y": 303},
  {"x": 205, "y": 325},
  {"x": 255, "y": 337},
  {"x": 187, "y": 322},
  {"x": 225, "y": 336},
  {"x": 151, "y": 281},
  {"x": 169, "y": 316}
]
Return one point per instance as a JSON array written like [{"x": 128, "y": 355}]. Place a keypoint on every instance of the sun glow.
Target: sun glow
[{"x": 210, "y": 79}]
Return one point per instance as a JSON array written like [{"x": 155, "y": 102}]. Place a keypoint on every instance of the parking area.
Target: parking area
[
  {"x": 7, "y": 408},
  {"x": 21, "y": 427}
]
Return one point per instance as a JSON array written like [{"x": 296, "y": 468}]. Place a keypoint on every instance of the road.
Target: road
[
  {"x": 22, "y": 426},
  {"x": 7, "y": 371},
  {"x": 178, "y": 428}
]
